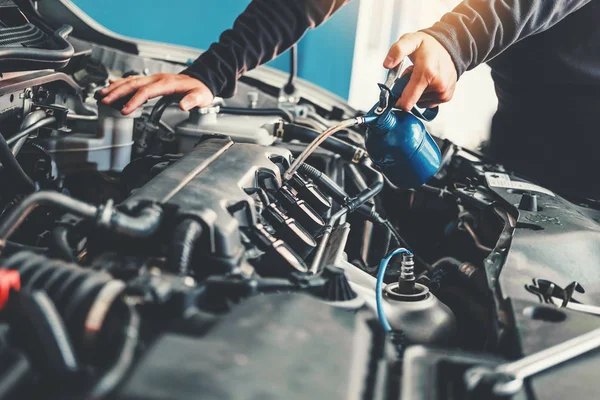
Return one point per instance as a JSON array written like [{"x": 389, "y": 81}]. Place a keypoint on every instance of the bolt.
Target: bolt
[
  {"x": 27, "y": 94},
  {"x": 189, "y": 281},
  {"x": 252, "y": 99}
]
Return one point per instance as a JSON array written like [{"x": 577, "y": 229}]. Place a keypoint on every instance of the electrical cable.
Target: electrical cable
[
  {"x": 314, "y": 268},
  {"x": 289, "y": 87},
  {"x": 402, "y": 242},
  {"x": 475, "y": 238},
  {"x": 374, "y": 188},
  {"x": 379, "y": 287}
]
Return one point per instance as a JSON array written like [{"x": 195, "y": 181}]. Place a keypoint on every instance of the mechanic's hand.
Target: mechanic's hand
[
  {"x": 433, "y": 72},
  {"x": 147, "y": 87}
]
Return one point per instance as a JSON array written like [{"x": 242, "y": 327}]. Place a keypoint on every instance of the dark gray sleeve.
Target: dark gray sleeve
[
  {"x": 264, "y": 30},
  {"x": 478, "y": 30}
]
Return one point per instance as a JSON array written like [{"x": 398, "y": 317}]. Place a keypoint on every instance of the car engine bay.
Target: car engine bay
[{"x": 161, "y": 255}]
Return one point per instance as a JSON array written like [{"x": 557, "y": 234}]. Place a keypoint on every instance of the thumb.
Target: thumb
[
  {"x": 196, "y": 98},
  {"x": 404, "y": 47}
]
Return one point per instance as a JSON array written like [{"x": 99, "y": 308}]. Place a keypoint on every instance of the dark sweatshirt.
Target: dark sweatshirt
[{"x": 531, "y": 43}]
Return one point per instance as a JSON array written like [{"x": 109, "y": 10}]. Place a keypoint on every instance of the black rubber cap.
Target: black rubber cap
[
  {"x": 529, "y": 202},
  {"x": 337, "y": 287}
]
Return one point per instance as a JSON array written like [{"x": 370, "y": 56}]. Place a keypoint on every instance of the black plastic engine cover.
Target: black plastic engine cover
[
  {"x": 283, "y": 346},
  {"x": 208, "y": 185}
]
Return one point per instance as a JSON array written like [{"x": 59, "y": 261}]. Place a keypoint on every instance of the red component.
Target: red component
[{"x": 9, "y": 279}]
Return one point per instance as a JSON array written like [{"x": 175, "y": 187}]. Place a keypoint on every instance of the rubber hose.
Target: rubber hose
[
  {"x": 373, "y": 190},
  {"x": 62, "y": 248},
  {"x": 276, "y": 112},
  {"x": 160, "y": 107},
  {"x": 13, "y": 220},
  {"x": 380, "y": 247},
  {"x": 185, "y": 238},
  {"x": 289, "y": 87},
  {"x": 22, "y": 181},
  {"x": 140, "y": 226},
  {"x": 14, "y": 247}
]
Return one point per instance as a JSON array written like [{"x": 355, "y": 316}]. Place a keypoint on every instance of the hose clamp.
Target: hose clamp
[
  {"x": 105, "y": 214},
  {"x": 359, "y": 154},
  {"x": 279, "y": 131}
]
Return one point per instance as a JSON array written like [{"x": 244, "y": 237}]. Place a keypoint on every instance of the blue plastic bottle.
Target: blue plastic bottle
[{"x": 399, "y": 144}]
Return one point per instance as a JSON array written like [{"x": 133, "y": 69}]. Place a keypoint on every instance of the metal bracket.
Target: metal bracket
[{"x": 547, "y": 290}]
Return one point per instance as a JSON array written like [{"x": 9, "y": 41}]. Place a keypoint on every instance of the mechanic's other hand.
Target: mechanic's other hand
[
  {"x": 433, "y": 72},
  {"x": 147, "y": 87}
]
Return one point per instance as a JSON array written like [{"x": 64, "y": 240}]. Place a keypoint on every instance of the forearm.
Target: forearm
[
  {"x": 479, "y": 30},
  {"x": 264, "y": 30}
]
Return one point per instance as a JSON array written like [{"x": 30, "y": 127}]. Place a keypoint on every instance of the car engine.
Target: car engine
[{"x": 162, "y": 256}]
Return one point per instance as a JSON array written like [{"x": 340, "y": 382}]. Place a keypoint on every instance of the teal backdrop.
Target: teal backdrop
[{"x": 325, "y": 54}]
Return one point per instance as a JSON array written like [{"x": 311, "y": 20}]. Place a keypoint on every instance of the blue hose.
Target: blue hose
[{"x": 379, "y": 287}]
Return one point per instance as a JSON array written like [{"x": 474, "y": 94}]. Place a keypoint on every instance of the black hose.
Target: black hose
[
  {"x": 142, "y": 225},
  {"x": 276, "y": 112},
  {"x": 347, "y": 151},
  {"x": 22, "y": 181},
  {"x": 185, "y": 238},
  {"x": 14, "y": 247},
  {"x": 13, "y": 220},
  {"x": 60, "y": 239},
  {"x": 403, "y": 243},
  {"x": 374, "y": 188},
  {"x": 160, "y": 107},
  {"x": 399, "y": 239},
  {"x": 289, "y": 87},
  {"x": 381, "y": 247}
]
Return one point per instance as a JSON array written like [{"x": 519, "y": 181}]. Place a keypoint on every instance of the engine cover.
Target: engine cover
[{"x": 208, "y": 185}]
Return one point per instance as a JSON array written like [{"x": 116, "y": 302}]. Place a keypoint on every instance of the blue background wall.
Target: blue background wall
[{"x": 325, "y": 53}]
